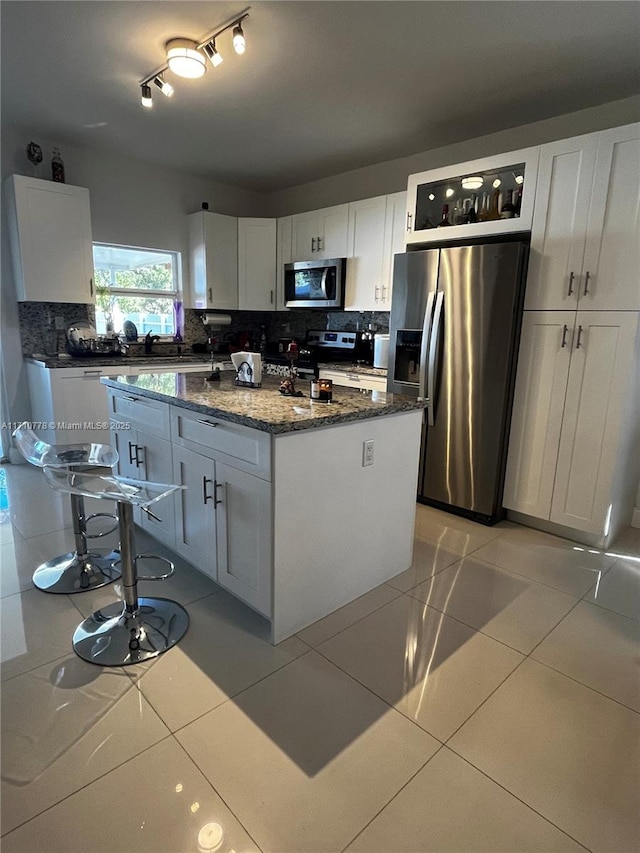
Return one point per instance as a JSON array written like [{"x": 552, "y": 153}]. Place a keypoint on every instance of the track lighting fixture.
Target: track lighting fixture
[
  {"x": 238, "y": 39},
  {"x": 146, "y": 95},
  {"x": 161, "y": 83},
  {"x": 212, "y": 54},
  {"x": 188, "y": 58}
]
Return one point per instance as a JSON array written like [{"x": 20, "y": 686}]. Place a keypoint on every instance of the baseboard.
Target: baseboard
[{"x": 635, "y": 518}]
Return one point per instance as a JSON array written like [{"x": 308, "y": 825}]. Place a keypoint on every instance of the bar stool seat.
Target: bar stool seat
[
  {"x": 79, "y": 570},
  {"x": 137, "y": 629}
]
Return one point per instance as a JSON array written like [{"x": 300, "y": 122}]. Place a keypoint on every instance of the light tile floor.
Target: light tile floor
[{"x": 486, "y": 699}]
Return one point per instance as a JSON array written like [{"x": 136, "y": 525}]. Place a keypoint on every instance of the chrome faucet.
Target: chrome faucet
[{"x": 149, "y": 341}]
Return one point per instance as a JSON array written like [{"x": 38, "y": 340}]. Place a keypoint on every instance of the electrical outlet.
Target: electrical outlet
[
  {"x": 59, "y": 323},
  {"x": 367, "y": 453}
]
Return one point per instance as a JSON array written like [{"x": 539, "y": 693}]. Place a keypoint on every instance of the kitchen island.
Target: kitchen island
[{"x": 295, "y": 507}]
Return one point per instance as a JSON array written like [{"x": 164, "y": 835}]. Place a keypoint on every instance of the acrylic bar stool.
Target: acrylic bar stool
[
  {"x": 136, "y": 629},
  {"x": 81, "y": 569}
]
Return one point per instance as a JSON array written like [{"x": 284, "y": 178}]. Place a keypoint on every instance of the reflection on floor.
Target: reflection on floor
[{"x": 486, "y": 699}]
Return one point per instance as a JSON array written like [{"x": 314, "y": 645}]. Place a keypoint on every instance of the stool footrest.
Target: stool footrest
[
  {"x": 105, "y": 532},
  {"x": 157, "y": 559}
]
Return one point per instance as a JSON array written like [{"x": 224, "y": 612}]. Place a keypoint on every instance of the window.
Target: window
[{"x": 140, "y": 285}]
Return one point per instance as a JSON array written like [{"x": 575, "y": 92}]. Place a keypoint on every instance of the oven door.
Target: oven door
[{"x": 313, "y": 284}]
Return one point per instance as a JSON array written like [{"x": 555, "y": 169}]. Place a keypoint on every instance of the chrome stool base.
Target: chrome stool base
[
  {"x": 74, "y": 572},
  {"x": 114, "y": 636}
]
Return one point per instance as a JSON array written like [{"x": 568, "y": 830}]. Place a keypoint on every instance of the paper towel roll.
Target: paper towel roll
[{"x": 211, "y": 319}]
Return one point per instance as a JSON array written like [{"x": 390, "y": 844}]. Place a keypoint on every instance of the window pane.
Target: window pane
[
  {"x": 123, "y": 267},
  {"x": 149, "y": 314}
]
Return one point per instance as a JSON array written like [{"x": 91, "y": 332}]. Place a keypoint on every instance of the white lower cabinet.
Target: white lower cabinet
[
  {"x": 195, "y": 512},
  {"x": 353, "y": 379},
  {"x": 575, "y": 427}
]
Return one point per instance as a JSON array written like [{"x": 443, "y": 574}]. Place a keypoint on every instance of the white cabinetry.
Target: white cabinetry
[
  {"x": 428, "y": 193},
  {"x": 575, "y": 422},
  {"x": 213, "y": 243},
  {"x": 257, "y": 264},
  {"x": 376, "y": 233},
  {"x": 284, "y": 255},
  {"x": 71, "y": 402},
  {"x": 354, "y": 379},
  {"x": 224, "y": 518},
  {"x": 320, "y": 233},
  {"x": 50, "y": 232},
  {"x": 585, "y": 239}
]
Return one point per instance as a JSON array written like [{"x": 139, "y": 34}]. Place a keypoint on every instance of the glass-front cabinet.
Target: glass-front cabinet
[{"x": 473, "y": 199}]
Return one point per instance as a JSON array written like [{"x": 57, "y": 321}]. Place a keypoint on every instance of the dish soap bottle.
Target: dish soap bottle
[{"x": 57, "y": 167}]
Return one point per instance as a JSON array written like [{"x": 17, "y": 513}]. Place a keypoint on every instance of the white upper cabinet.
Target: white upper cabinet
[
  {"x": 376, "y": 233},
  {"x": 366, "y": 252},
  {"x": 257, "y": 264},
  {"x": 585, "y": 236},
  {"x": 320, "y": 233},
  {"x": 284, "y": 255},
  {"x": 479, "y": 198},
  {"x": 50, "y": 233},
  {"x": 213, "y": 244}
]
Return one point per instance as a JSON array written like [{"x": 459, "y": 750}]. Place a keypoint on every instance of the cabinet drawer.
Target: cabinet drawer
[
  {"x": 364, "y": 381},
  {"x": 150, "y": 415},
  {"x": 177, "y": 367},
  {"x": 239, "y": 446}
]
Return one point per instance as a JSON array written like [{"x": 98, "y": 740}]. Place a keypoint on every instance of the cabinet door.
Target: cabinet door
[
  {"x": 244, "y": 536},
  {"x": 610, "y": 278},
  {"x": 333, "y": 233},
  {"x": 195, "y": 518},
  {"x": 366, "y": 247},
  {"x": 156, "y": 467},
  {"x": 601, "y": 367},
  {"x": 80, "y": 405},
  {"x": 213, "y": 243},
  {"x": 257, "y": 264},
  {"x": 541, "y": 382},
  {"x": 284, "y": 255},
  {"x": 51, "y": 240},
  {"x": 305, "y": 233},
  {"x": 125, "y": 441},
  {"x": 565, "y": 178},
  {"x": 394, "y": 233}
]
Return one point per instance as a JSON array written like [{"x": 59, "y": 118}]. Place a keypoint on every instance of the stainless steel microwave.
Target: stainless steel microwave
[{"x": 315, "y": 284}]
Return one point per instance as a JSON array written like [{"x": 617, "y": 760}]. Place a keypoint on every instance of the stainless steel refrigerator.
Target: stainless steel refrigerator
[{"x": 454, "y": 333}]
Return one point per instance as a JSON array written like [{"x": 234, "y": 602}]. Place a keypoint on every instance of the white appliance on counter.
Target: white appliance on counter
[{"x": 381, "y": 351}]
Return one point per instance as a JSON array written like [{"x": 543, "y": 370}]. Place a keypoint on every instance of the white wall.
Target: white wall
[
  {"x": 391, "y": 176},
  {"x": 131, "y": 203}
]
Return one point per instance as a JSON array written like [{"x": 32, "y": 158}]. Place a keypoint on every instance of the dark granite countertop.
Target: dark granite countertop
[
  {"x": 262, "y": 408},
  {"x": 362, "y": 369},
  {"x": 54, "y": 361}
]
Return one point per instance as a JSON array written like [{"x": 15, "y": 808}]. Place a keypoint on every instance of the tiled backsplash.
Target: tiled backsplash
[{"x": 38, "y": 318}]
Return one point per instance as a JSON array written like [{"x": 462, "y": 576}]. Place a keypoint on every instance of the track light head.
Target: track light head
[
  {"x": 165, "y": 88},
  {"x": 239, "y": 44},
  {"x": 212, "y": 54},
  {"x": 145, "y": 95}
]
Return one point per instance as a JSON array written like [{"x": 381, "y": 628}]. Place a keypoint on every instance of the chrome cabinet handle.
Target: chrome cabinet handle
[
  {"x": 319, "y": 242},
  {"x": 92, "y": 372},
  {"x": 205, "y": 496},
  {"x": 571, "y": 278},
  {"x": 91, "y": 286},
  {"x": 210, "y": 294},
  {"x": 384, "y": 297},
  {"x": 376, "y": 297},
  {"x": 216, "y": 486},
  {"x": 131, "y": 454},
  {"x": 313, "y": 244},
  {"x": 271, "y": 298},
  {"x": 579, "y": 337},
  {"x": 131, "y": 399},
  {"x": 207, "y": 423},
  {"x": 586, "y": 283},
  {"x": 565, "y": 329},
  {"x": 139, "y": 461},
  {"x": 409, "y": 218}
]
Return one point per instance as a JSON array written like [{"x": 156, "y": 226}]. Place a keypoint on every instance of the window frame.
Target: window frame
[{"x": 175, "y": 295}]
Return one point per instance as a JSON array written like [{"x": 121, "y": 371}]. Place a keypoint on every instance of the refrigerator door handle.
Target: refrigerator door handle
[
  {"x": 434, "y": 341},
  {"x": 424, "y": 348}
]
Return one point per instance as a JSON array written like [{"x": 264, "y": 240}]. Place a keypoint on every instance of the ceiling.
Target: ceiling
[{"x": 324, "y": 87}]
